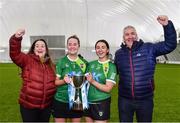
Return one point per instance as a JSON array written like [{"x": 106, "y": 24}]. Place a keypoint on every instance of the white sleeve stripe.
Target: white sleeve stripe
[
  {"x": 58, "y": 75},
  {"x": 111, "y": 81}
]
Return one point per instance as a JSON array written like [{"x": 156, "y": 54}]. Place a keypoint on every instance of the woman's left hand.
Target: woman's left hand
[{"x": 89, "y": 78}]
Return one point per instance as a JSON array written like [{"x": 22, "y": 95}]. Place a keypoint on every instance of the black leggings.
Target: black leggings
[{"x": 35, "y": 115}]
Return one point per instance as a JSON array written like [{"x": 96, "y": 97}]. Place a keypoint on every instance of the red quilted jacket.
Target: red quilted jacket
[{"x": 38, "y": 86}]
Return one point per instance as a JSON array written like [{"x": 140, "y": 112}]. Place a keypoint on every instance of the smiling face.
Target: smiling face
[
  {"x": 129, "y": 36},
  {"x": 73, "y": 46},
  {"x": 102, "y": 51},
  {"x": 40, "y": 48}
]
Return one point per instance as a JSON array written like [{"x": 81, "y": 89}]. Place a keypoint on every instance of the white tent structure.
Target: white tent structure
[{"x": 90, "y": 20}]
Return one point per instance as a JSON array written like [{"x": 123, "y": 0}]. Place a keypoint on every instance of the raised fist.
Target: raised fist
[
  {"x": 19, "y": 33},
  {"x": 163, "y": 20}
]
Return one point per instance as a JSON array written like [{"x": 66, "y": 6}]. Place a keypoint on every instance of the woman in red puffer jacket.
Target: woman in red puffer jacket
[{"x": 38, "y": 75}]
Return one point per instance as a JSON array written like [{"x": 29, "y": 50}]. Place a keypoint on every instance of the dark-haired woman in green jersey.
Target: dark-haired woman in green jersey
[{"x": 102, "y": 78}]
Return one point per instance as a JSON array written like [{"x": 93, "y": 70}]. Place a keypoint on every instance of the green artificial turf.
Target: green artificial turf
[{"x": 166, "y": 99}]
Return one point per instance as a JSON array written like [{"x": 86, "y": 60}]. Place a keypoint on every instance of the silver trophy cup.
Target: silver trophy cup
[{"x": 78, "y": 82}]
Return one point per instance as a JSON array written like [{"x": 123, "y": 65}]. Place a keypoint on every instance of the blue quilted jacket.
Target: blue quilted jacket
[{"x": 136, "y": 66}]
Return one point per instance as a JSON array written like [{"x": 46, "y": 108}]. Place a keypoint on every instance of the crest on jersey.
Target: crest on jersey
[
  {"x": 82, "y": 65},
  {"x": 101, "y": 113}
]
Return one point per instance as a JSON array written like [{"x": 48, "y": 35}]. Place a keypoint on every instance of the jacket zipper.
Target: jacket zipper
[
  {"x": 43, "y": 102},
  {"x": 132, "y": 72}
]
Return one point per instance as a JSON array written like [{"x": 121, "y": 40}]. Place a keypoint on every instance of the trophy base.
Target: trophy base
[{"x": 77, "y": 107}]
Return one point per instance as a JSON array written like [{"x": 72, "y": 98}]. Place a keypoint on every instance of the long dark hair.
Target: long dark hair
[{"x": 31, "y": 51}]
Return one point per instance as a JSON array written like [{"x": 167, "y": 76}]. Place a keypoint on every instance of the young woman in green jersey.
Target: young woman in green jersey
[
  {"x": 102, "y": 78},
  {"x": 68, "y": 65}
]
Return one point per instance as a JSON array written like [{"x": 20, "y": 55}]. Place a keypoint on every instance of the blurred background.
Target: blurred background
[{"x": 90, "y": 20}]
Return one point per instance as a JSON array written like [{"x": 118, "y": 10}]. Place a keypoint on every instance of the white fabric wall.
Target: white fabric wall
[{"x": 91, "y": 20}]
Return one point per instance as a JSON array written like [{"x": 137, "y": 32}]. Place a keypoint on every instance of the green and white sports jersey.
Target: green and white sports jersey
[
  {"x": 66, "y": 66},
  {"x": 102, "y": 72}
]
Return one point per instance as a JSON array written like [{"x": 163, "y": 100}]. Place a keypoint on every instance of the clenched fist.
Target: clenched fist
[
  {"x": 19, "y": 33},
  {"x": 163, "y": 20}
]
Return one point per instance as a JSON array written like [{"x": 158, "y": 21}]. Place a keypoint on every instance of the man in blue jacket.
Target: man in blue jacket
[{"x": 136, "y": 62}]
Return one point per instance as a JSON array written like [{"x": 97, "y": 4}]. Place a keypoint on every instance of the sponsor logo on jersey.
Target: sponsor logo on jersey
[{"x": 67, "y": 65}]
